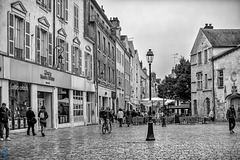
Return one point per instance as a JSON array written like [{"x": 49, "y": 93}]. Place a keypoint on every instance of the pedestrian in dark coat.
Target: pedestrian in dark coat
[
  {"x": 43, "y": 115},
  {"x": 231, "y": 116},
  {"x": 30, "y": 120},
  {"x": 128, "y": 118},
  {"x": 4, "y": 116}
]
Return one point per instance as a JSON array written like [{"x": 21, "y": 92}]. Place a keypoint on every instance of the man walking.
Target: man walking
[
  {"x": 4, "y": 115},
  {"x": 30, "y": 120},
  {"x": 231, "y": 116}
]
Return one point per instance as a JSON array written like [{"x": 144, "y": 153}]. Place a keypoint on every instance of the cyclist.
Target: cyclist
[{"x": 105, "y": 114}]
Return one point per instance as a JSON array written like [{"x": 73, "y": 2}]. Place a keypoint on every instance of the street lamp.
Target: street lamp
[{"x": 150, "y": 135}]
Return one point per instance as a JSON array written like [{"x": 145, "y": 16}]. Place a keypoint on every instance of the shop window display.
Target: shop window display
[
  {"x": 19, "y": 101},
  {"x": 63, "y": 105}
]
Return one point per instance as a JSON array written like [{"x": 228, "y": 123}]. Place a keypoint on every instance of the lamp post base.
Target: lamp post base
[{"x": 150, "y": 135}]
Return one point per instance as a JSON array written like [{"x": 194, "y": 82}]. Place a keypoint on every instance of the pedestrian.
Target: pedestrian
[
  {"x": 43, "y": 115},
  {"x": 231, "y": 116},
  {"x": 120, "y": 117},
  {"x": 4, "y": 116},
  {"x": 128, "y": 118},
  {"x": 31, "y": 120},
  {"x": 163, "y": 119}
]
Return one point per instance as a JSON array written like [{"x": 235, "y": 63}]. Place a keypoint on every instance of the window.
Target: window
[
  {"x": 206, "y": 81},
  {"x": 78, "y": 106},
  {"x": 109, "y": 50},
  {"x": 113, "y": 76},
  {"x": 109, "y": 74},
  {"x": 220, "y": 78},
  {"x": 99, "y": 40},
  {"x": 199, "y": 80},
  {"x": 205, "y": 56},
  {"x": 62, "y": 9},
  {"x": 76, "y": 17},
  {"x": 63, "y": 51},
  {"x": 104, "y": 71},
  {"x": 76, "y": 60},
  {"x": 113, "y": 54},
  {"x": 104, "y": 45},
  {"x": 46, "y": 4},
  {"x": 199, "y": 58},
  {"x": 88, "y": 65},
  {"x": 43, "y": 44}
]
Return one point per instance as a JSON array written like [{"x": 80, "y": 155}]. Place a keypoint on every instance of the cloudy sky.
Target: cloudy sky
[{"x": 169, "y": 26}]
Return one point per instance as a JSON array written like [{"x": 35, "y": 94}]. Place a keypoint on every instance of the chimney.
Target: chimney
[
  {"x": 208, "y": 26},
  {"x": 115, "y": 22}
]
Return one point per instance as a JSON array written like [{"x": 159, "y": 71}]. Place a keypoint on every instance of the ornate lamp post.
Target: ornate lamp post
[{"x": 150, "y": 135}]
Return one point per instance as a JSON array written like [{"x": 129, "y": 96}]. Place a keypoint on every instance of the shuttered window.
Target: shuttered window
[
  {"x": 62, "y": 9},
  {"x": 27, "y": 41}
]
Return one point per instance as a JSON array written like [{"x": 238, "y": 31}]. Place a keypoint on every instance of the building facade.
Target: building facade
[
  {"x": 97, "y": 27},
  {"x": 209, "y": 43},
  {"x": 45, "y": 61},
  {"x": 226, "y": 82},
  {"x": 120, "y": 51}
]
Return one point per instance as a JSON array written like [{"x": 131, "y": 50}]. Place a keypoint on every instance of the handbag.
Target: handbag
[{"x": 34, "y": 120}]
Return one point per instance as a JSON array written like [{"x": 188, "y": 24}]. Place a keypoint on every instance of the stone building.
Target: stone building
[
  {"x": 208, "y": 43},
  {"x": 120, "y": 51},
  {"x": 46, "y": 60},
  {"x": 97, "y": 27},
  {"x": 227, "y": 82}
]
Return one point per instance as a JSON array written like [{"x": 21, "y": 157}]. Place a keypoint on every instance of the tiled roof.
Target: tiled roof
[
  {"x": 223, "y": 37},
  {"x": 226, "y": 52}
]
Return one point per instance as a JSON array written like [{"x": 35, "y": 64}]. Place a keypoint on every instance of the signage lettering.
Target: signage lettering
[{"x": 47, "y": 75}]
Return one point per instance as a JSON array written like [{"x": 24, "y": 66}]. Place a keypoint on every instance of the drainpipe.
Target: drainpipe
[
  {"x": 54, "y": 29},
  {"x": 213, "y": 90}
]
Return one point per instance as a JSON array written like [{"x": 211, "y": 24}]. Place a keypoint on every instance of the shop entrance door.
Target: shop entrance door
[
  {"x": 89, "y": 109},
  {"x": 45, "y": 99}
]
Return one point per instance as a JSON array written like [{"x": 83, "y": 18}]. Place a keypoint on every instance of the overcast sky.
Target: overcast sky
[{"x": 169, "y": 26}]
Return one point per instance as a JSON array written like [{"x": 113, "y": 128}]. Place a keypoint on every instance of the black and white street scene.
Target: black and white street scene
[{"x": 119, "y": 80}]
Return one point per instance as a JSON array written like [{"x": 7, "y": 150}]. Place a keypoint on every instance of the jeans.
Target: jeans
[
  {"x": 231, "y": 123},
  {"x": 30, "y": 125},
  {"x": 2, "y": 126}
]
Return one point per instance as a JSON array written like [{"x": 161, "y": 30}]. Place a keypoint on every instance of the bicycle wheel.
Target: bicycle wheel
[{"x": 104, "y": 128}]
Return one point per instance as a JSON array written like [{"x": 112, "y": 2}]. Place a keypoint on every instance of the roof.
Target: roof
[
  {"x": 225, "y": 53},
  {"x": 181, "y": 106},
  {"x": 223, "y": 37}
]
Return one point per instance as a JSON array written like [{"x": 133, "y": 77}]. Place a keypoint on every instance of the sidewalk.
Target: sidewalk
[{"x": 200, "y": 141}]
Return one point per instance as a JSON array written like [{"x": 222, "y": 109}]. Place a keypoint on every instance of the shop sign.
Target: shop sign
[{"x": 47, "y": 75}]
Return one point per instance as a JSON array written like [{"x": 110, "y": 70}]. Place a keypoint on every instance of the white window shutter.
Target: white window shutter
[
  {"x": 27, "y": 41},
  {"x": 58, "y": 8},
  {"x": 66, "y": 10},
  {"x": 38, "y": 45},
  {"x": 50, "y": 50},
  {"x": 10, "y": 34}
]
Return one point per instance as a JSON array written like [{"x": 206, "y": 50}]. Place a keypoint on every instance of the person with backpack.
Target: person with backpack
[
  {"x": 31, "y": 120},
  {"x": 43, "y": 115}
]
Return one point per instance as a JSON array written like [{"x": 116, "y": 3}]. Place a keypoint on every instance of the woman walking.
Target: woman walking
[
  {"x": 43, "y": 115},
  {"x": 31, "y": 121}
]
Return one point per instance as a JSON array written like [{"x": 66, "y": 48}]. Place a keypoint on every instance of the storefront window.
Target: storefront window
[
  {"x": 63, "y": 105},
  {"x": 78, "y": 106},
  {"x": 19, "y": 101}
]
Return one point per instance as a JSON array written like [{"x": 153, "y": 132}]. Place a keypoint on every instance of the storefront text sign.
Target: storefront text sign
[{"x": 47, "y": 75}]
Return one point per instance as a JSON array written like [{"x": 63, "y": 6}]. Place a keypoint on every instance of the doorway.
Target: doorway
[
  {"x": 45, "y": 99},
  {"x": 236, "y": 103}
]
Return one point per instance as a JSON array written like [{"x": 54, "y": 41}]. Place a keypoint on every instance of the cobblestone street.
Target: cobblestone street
[{"x": 200, "y": 141}]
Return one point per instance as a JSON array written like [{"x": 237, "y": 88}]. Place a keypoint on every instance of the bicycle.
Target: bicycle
[{"x": 107, "y": 126}]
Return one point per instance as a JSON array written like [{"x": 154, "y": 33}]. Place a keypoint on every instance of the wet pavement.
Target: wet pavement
[{"x": 199, "y": 141}]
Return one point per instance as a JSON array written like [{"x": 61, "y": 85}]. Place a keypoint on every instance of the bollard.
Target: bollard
[{"x": 150, "y": 135}]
